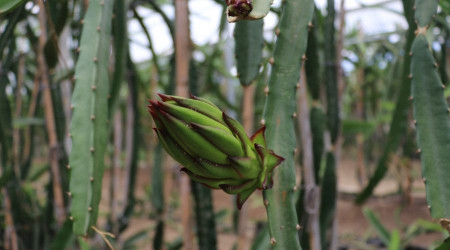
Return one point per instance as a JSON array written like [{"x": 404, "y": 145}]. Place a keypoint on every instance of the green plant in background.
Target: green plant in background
[
  {"x": 398, "y": 239},
  {"x": 400, "y": 116},
  {"x": 431, "y": 112},
  {"x": 213, "y": 148},
  {"x": 89, "y": 127}
]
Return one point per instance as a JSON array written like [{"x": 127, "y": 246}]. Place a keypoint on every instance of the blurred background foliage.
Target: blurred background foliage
[{"x": 140, "y": 196}]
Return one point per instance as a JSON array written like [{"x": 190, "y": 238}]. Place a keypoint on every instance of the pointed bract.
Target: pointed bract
[{"x": 213, "y": 147}]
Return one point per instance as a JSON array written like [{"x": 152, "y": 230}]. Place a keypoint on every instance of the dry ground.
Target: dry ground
[{"x": 394, "y": 209}]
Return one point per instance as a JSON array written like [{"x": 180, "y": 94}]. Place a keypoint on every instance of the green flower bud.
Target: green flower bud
[{"x": 212, "y": 147}]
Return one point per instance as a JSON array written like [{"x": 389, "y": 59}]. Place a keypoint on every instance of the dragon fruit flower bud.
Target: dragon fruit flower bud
[{"x": 212, "y": 147}]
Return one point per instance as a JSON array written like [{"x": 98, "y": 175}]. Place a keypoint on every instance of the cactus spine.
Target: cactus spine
[
  {"x": 279, "y": 118},
  {"x": 431, "y": 112},
  {"x": 90, "y": 110}
]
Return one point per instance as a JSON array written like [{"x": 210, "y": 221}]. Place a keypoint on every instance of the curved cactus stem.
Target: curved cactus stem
[
  {"x": 400, "y": 116},
  {"x": 431, "y": 112},
  {"x": 89, "y": 125},
  {"x": 278, "y": 115}
]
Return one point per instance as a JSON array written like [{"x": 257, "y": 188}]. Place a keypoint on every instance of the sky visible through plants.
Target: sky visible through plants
[{"x": 205, "y": 17}]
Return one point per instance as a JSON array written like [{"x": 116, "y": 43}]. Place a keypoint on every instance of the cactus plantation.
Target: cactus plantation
[{"x": 224, "y": 124}]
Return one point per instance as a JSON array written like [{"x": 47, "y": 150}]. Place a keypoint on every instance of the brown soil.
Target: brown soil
[{"x": 396, "y": 211}]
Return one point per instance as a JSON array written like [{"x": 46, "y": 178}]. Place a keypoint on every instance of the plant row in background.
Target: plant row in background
[{"x": 72, "y": 111}]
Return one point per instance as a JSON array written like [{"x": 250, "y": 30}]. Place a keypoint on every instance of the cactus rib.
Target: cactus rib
[
  {"x": 278, "y": 115},
  {"x": 89, "y": 121},
  {"x": 431, "y": 113}
]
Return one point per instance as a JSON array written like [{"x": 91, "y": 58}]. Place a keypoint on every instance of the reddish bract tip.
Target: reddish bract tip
[
  {"x": 164, "y": 97},
  {"x": 259, "y": 131}
]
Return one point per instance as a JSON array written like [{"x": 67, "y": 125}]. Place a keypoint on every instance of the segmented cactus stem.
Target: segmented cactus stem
[
  {"x": 431, "y": 113},
  {"x": 89, "y": 124},
  {"x": 279, "y": 116}
]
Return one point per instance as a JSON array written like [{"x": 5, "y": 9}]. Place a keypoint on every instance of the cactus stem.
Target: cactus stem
[
  {"x": 271, "y": 60},
  {"x": 273, "y": 241},
  {"x": 266, "y": 90},
  {"x": 298, "y": 227},
  {"x": 262, "y": 122}
]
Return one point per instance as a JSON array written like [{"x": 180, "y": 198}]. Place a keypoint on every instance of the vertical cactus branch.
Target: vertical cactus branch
[
  {"x": 249, "y": 43},
  {"x": 279, "y": 118},
  {"x": 431, "y": 112},
  {"x": 120, "y": 50},
  {"x": 400, "y": 116},
  {"x": 248, "y": 49},
  {"x": 89, "y": 124},
  {"x": 330, "y": 74}
]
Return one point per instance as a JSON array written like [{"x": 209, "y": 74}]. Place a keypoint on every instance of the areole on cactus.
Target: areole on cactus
[{"x": 212, "y": 147}]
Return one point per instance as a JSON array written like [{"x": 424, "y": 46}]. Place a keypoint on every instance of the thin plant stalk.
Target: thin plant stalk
[
  {"x": 247, "y": 122},
  {"x": 182, "y": 58},
  {"x": 312, "y": 199},
  {"x": 50, "y": 119}
]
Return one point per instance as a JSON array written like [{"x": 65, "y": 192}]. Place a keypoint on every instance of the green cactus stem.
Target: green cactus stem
[
  {"x": 431, "y": 112},
  {"x": 89, "y": 124},
  {"x": 248, "y": 50},
  {"x": 279, "y": 113}
]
